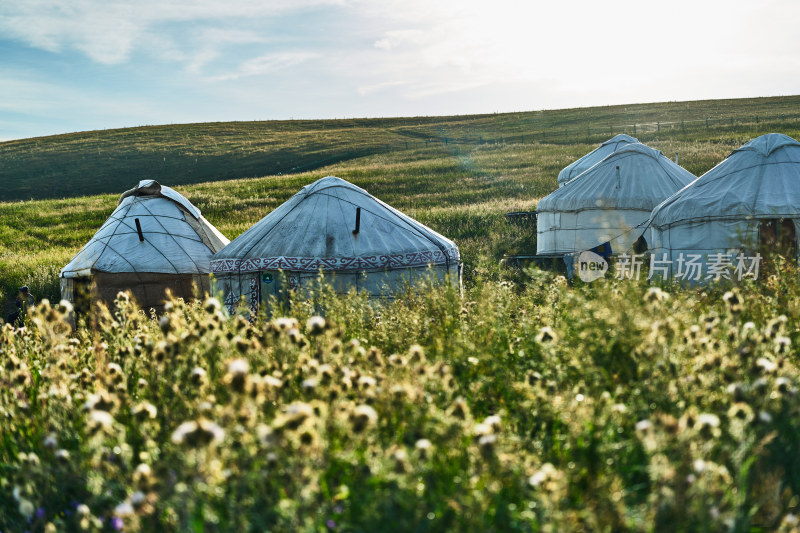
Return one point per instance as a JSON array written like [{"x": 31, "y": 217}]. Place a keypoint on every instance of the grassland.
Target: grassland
[
  {"x": 523, "y": 405},
  {"x": 98, "y": 162}
]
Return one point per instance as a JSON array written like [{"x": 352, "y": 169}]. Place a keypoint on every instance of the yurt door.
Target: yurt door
[{"x": 272, "y": 284}]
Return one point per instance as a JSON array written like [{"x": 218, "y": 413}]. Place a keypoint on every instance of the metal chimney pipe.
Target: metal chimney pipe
[
  {"x": 358, "y": 221},
  {"x": 139, "y": 230}
]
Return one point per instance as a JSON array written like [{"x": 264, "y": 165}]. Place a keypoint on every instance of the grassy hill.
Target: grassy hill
[{"x": 97, "y": 162}]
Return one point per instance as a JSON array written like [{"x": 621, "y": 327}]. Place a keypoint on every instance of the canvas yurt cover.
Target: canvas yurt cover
[
  {"x": 748, "y": 203},
  {"x": 609, "y": 203},
  {"x": 154, "y": 240},
  {"x": 334, "y": 226},
  {"x": 574, "y": 169}
]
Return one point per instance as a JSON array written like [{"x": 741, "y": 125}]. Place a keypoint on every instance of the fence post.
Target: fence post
[
  {"x": 756, "y": 119},
  {"x": 658, "y": 127},
  {"x": 544, "y": 136},
  {"x": 406, "y": 145},
  {"x": 706, "y": 122},
  {"x": 683, "y": 125},
  {"x": 634, "y": 128}
]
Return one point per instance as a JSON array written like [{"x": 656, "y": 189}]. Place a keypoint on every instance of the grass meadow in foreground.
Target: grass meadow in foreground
[{"x": 530, "y": 406}]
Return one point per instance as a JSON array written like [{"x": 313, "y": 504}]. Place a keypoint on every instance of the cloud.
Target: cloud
[
  {"x": 108, "y": 31},
  {"x": 266, "y": 64}
]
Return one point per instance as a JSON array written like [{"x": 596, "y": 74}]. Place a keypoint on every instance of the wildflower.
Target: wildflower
[
  {"x": 237, "y": 374},
  {"x": 643, "y": 426},
  {"x": 486, "y": 444},
  {"x": 546, "y": 335},
  {"x": 366, "y": 382},
  {"x": 362, "y": 416},
  {"x": 100, "y": 420},
  {"x": 708, "y": 425},
  {"x": 165, "y": 323},
  {"x": 294, "y": 416},
  {"x": 740, "y": 411},
  {"x": 62, "y": 455},
  {"x": 145, "y": 410},
  {"x": 493, "y": 421},
  {"x": 423, "y": 447},
  {"x": 400, "y": 458},
  {"x": 101, "y": 401},
  {"x": 543, "y": 476},
  {"x": 211, "y": 305},
  {"x": 459, "y": 409},
  {"x": 733, "y": 301},
  {"x": 197, "y": 433},
  {"x": 782, "y": 344},
  {"x": 765, "y": 365},
  {"x": 654, "y": 295},
  {"x": 50, "y": 441},
  {"x": 315, "y": 325},
  {"x": 416, "y": 354},
  {"x": 198, "y": 376},
  {"x": 284, "y": 324}
]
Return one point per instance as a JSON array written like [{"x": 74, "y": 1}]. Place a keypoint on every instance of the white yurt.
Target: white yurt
[
  {"x": 577, "y": 167},
  {"x": 609, "y": 203},
  {"x": 747, "y": 204},
  {"x": 154, "y": 240},
  {"x": 335, "y": 227}
]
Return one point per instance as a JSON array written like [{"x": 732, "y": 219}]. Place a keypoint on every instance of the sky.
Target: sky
[{"x": 79, "y": 65}]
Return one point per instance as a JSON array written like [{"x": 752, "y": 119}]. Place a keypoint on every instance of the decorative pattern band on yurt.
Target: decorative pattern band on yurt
[
  {"x": 745, "y": 207},
  {"x": 609, "y": 203},
  {"x": 153, "y": 241},
  {"x": 577, "y": 167},
  {"x": 334, "y": 227}
]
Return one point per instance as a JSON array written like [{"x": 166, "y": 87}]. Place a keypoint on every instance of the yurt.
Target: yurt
[
  {"x": 609, "y": 203},
  {"x": 332, "y": 226},
  {"x": 153, "y": 241},
  {"x": 746, "y": 205},
  {"x": 595, "y": 156}
]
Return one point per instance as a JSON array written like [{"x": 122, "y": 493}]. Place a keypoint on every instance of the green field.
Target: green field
[{"x": 524, "y": 404}]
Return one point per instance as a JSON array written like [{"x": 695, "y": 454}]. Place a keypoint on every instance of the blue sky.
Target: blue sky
[{"x": 76, "y": 65}]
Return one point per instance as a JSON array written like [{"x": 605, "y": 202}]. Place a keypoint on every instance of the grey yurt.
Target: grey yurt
[
  {"x": 609, "y": 203},
  {"x": 332, "y": 226},
  {"x": 574, "y": 169},
  {"x": 153, "y": 241},
  {"x": 746, "y": 205}
]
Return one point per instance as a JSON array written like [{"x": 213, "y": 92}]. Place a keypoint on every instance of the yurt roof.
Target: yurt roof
[
  {"x": 645, "y": 178},
  {"x": 314, "y": 230},
  {"x": 595, "y": 156},
  {"x": 760, "y": 180},
  {"x": 176, "y": 239}
]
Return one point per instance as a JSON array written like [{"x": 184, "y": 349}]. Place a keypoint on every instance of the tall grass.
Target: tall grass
[{"x": 517, "y": 407}]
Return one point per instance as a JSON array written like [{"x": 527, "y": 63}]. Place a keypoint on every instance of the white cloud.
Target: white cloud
[
  {"x": 266, "y": 64},
  {"x": 108, "y": 31}
]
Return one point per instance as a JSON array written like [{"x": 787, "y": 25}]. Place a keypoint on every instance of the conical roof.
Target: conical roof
[
  {"x": 175, "y": 238},
  {"x": 314, "y": 230},
  {"x": 575, "y": 168},
  {"x": 759, "y": 180},
  {"x": 633, "y": 177}
]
